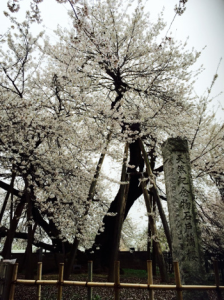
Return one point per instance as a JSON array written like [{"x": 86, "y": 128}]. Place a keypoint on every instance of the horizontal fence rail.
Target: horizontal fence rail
[{"x": 116, "y": 285}]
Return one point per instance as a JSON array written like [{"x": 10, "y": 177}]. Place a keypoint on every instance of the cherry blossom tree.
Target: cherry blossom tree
[
  {"x": 132, "y": 74},
  {"x": 111, "y": 82},
  {"x": 42, "y": 138}
]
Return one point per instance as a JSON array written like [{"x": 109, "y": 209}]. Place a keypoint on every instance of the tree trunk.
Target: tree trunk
[
  {"x": 103, "y": 240},
  {"x": 119, "y": 218}
]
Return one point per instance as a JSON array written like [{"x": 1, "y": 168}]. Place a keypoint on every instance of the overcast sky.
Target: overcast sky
[{"x": 202, "y": 22}]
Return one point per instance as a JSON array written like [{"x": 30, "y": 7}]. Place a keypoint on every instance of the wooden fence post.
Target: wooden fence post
[
  {"x": 13, "y": 284},
  {"x": 60, "y": 280},
  {"x": 217, "y": 281},
  {"x": 6, "y": 272},
  {"x": 3, "y": 269},
  {"x": 39, "y": 275},
  {"x": 150, "y": 279},
  {"x": 177, "y": 280},
  {"x": 117, "y": 280},
  {"x": 12, "y": 279},
  {"x": 90, "y": 278}
]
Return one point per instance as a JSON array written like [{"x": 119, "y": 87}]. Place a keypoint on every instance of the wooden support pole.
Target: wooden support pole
[
  {"x": 117, "y": 280},
  {"x": 13, "y": 284},
  {"x": 60, "y": 280},
  {"x": 217, "y": 280},
  {"x": 150, "y": 279},
  {"x": 161, "y": 261},
  {"x": 39, "y": 275},
  {"x": 216, "y": 271},
  {"x": 177, "y": 280},
  {"x": 7, "y": 197},
  {"x": 90, "y": 279},
  {"x": 156, "y": 195}
]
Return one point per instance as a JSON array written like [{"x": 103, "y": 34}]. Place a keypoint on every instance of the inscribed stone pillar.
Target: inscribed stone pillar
[{"x": 185, "y": 233}]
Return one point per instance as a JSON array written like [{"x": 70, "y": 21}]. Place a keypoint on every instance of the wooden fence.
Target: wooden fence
[{"x": 116, "y": 285}]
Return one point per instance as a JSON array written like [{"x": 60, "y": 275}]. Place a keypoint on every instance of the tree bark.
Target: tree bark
[
  {"x": 119, "y": 218},
  {"x": 103, "y": 240}
]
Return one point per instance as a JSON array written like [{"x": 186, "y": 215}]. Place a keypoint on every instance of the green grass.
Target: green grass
[
  {"x": 129, "y": 273},
  {"x": 142, "y": 274},
  {"x": 96, "y": 297},
  {"x": 135, "y": 273}
]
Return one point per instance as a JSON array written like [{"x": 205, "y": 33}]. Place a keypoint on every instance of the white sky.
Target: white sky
[{"x": 203, "y": 22}]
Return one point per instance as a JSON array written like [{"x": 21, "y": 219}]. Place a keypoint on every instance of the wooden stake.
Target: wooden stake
[
  {"x": 117, "y": 280},
  {"x": 156, "y": 195},
  {"x": 217, "y": 281},
  {"x": 13, "y": 284},
  {"x": 150, "y": 279},
  {"x": 7, "y": 197},
  {"x": 216, "y": 271},
  {"x": 39, "y": 274},
  {"x": 177, "y": 280},
  {"x": 90, "y": 278},
  {"x": 161, "y": 261},
  {"x": 60, "y": 280}
]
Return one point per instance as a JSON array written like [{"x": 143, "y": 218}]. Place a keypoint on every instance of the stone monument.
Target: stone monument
[{"x": 185, "y": 233}]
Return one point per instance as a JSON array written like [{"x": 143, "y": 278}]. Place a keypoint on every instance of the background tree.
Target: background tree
[{"x": 41, "y": 146}]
